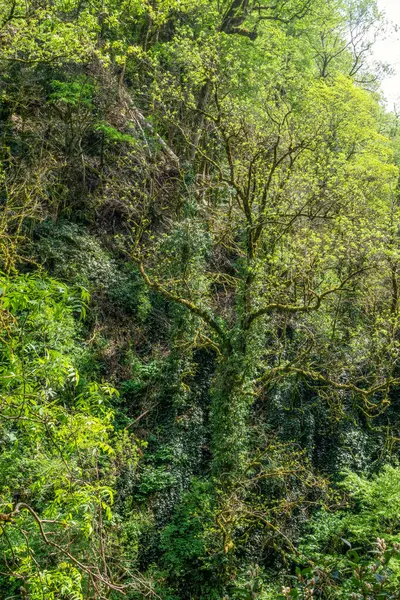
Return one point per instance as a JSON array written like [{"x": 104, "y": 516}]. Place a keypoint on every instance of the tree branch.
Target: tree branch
[
  {"x": 197, "y": 310},
  {"x": 318, "y": 377},
  {"x": 294, "y": 308},
  {"x": 85, "y": 568}
]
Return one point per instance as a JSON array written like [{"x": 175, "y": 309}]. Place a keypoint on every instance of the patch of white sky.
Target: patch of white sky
[{"x": 387, "y": 50}]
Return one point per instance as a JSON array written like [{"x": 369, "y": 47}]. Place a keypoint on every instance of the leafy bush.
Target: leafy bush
[
  {"x": 60, "y": 450},
  {"x": 354, "y": 552}
]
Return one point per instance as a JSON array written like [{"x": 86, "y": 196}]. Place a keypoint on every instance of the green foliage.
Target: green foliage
[
  {"x": 65, "y": 582},
  {"x": 188, "y": 542},
  {"x": 342, "y": 543},
  {"x": 60, "y": 448},
  {"x": 72, "y": 254},
  {"x": 75, "y": 93},
  {"x": 201, "y": 199},
  {"x": 250, "y": 586},
  {"x": 113, "y": 135}
]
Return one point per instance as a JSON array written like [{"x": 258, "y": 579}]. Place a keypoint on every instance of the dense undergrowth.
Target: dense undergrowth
[{"x": 199, "y": 302}]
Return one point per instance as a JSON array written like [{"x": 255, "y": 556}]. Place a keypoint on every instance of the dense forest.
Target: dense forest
[{"x": 199, "y": 302}]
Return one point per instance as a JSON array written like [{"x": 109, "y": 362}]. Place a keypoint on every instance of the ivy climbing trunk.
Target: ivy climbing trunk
[{"x": 232, "y": 397}]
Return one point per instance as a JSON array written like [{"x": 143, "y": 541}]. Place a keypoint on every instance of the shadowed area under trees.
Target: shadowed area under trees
[{"x": 199, "y": 302}]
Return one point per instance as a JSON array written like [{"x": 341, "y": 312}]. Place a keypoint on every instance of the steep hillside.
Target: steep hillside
[{"x": 199, "y": 302}]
